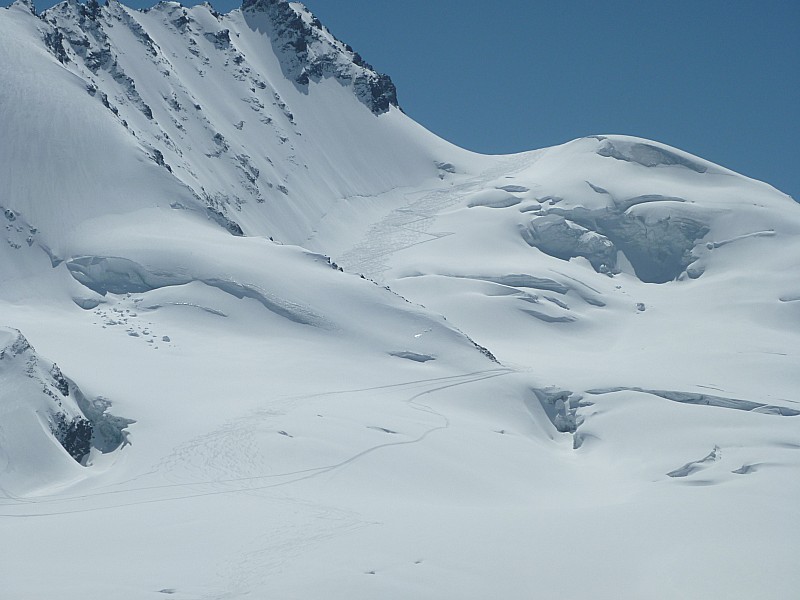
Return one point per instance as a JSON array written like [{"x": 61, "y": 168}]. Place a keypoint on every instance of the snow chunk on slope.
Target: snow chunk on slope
[{"x": 493, "y": 199}]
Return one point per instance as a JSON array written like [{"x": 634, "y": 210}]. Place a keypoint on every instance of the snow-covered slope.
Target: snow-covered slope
[
  {"x": 46, "y": 419},
  {"x": 216, "y": 112},
  {"x": 571, "y": 372}
]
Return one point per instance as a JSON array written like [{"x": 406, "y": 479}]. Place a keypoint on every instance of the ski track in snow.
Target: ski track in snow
[
  {"x": 411, "y": 224},
  {"x": 158, "y": 151},
  {"x": 235, "y": 433}
]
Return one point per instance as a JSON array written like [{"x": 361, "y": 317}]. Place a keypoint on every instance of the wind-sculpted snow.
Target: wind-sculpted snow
[
  {"x": 413, "y": 356},
  {"x": 647, "y": 155},
  {"x": 493, "y": 199},
  {"x": 123, "y": 276},
  {"x": 696, "y": 465},
  {"x": 525, "y": 281},
  {"x": 707, "y": 400},
  {"x": 118, "y": 275}
]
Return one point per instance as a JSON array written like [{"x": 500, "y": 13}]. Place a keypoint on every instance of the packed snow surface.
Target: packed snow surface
[{"x": 263, "y": 336}]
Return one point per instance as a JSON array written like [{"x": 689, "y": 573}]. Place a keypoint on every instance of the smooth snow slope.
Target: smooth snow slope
[{"x": 625, "y": 423}]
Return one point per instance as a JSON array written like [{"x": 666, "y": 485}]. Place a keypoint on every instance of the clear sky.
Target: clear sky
[{"x": 718, "y": 78}]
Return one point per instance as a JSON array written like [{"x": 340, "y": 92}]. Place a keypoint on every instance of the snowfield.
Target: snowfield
[{"x": 263, "y": 336}]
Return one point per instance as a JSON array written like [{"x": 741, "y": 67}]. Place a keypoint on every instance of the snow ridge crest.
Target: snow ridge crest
[{"x": 24, "y": 5}]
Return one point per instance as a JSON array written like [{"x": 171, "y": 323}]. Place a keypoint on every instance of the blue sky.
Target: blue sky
[{"x": 720, "y": 79}]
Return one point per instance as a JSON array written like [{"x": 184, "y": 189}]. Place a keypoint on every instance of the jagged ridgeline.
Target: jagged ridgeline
[
  {"x": 315, "y": 53},
  {"x": 318, "y": 54},
  {"x": 223, "y": 103}
]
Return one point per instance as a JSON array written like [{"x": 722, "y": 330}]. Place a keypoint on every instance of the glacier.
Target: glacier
[{"x": 263, "y": 335}]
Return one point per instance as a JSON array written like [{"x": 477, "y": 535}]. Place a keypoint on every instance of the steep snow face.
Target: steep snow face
[
  {"x": 596, "y": 344},
  {"x": 136, "y": 143},
  {"x": 220, "y": 114}
]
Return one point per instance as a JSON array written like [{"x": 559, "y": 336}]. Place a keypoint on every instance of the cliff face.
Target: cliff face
[{"x": 309, "y": 52}]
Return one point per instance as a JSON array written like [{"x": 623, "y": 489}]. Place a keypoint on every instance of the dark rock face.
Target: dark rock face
[
  {"x": 381, "y": 90},
  {"x": 54, "y": 40},
  {"x": 221, "y": 39},
  {"x": 306, "y": 55},
  {"x": 78, "y": 423},
  {"x": 61, "y": 382},
  {"x": 232, "y": 226},
  {"x": 74, "y": 434},
  {"x": 81, "y": 29},
  {"x": 111, "y": 47}
]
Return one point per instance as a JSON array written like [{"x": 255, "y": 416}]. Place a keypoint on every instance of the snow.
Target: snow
[{"x": 479, "y": 402}]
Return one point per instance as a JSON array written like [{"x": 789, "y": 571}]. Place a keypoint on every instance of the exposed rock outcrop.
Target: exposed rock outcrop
[
  {"x": 33, "y": 385},
  {"x": 309, "y": 52}
]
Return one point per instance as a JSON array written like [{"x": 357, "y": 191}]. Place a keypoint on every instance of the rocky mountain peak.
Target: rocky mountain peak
[{"x": 310, "y": 52}]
